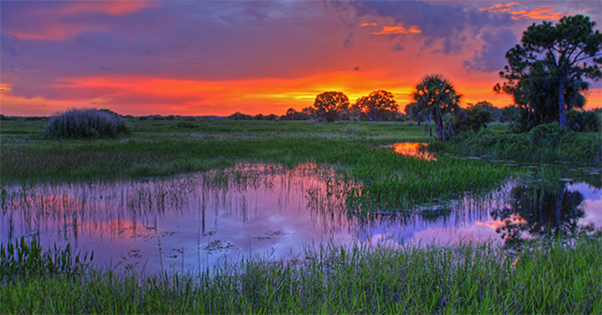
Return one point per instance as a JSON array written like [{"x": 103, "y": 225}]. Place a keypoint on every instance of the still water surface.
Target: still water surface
[{"x": 192, "y": 222}]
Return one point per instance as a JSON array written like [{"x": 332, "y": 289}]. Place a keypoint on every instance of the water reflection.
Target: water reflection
[
  {"x": 195, "y": 221},
  {"x": 413, "y": 149},
  {"x": 539, "y": 209}
]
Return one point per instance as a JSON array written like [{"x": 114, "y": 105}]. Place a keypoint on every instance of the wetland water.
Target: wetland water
[{"x": 192, "y": 222}]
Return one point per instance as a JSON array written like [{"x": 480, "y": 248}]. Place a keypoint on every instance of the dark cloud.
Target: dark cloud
[
  {"x": 347, "y": 42},
  {"x": 397, "y": 47},
  {"x": 447, "y": 22},
  {"x": 492, "y": 55},
  {"x": 9, "y": 43}
]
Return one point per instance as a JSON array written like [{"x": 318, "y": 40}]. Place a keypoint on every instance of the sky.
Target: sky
[{"x": 219, "y": 57}]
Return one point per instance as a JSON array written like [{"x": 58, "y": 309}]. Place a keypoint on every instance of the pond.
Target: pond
[{"x": 192, "y": 222}]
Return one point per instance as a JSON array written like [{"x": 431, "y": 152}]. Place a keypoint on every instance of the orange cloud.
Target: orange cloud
[
  {"x": 390, "y": 30},
  {"x": 499, "y": 6},
  {"x": 543, "y": 12}
]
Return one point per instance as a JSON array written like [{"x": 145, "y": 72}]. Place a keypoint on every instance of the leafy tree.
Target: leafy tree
[
  {"x": 310, "y": 111},
  {"x": 496, "y": 113},
  {"x": 378, "y": 105},
  {"x": 553, "y": 59},
  {"x": 292, "y": 114},
  {"x": 330, "y": 105},
  {"x": 537, "y": 98},
  {"x": 474, "y": 118},
  {"x": 411, "y": 111},
  {"x": 240, "y": 116},
  {"x": 436, "y": 97}
]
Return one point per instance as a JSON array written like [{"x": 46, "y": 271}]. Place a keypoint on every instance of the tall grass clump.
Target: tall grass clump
[
  {"x": 544, "y": 143},
  {"x": 27, "y": 259},
  {"x": 554, "y": 278},
  {"x": 86, "y": 123}
]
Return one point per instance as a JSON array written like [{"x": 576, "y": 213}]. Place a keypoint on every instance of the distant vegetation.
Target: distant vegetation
[{"x": 86, "y": 123}]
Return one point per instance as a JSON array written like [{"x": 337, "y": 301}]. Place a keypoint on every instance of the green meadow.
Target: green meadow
[
  {"x": 168, "y": 147},
  {"x": 552, "y": 275}
]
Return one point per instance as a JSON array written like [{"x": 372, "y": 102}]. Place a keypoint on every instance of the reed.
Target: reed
[
  {"x": 552, "y": 277},
  {"x": 387, "y": 180}
]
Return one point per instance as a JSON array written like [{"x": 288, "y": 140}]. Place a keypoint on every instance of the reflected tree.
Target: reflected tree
[{"x": 541, "y": 212}]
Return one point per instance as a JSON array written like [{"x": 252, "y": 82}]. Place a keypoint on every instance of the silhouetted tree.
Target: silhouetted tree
[
  {"x": 488, "y": 106},
  {"x": 378, "y": 105},
  {"x": 436, "y": 97},
  {"x": 292, "y": 114},
  {"x": 329, "y": 106},
  {"x": 411, "y": 111},
  {"x": 558, "y": 55},
  {"x": 537, "y": 98}
]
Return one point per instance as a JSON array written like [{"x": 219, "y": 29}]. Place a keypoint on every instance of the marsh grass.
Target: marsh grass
[
  {"x": 545, "y": 143},
  {"x": 548, "y": 278},
  {"x": 86, "y": 123},
  {"x": 160, "y": 148},
  {"x": 27, "y": 259}
]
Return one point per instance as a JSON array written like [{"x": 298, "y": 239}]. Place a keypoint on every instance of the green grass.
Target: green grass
[
  {"x": 549, "y": 278},
  {"x": 546, "y": 277},
  {"x": 545, "y": 143},
  {"x": 167, "y": 147}
]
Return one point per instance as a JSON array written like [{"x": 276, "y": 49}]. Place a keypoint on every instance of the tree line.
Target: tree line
[{"x": 547, "y": 75}]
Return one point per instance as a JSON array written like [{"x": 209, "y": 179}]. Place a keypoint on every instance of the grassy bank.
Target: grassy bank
[
  {"x": 166, "y": 147},
  {"x": 545, "y": 143},
  {"x": 551, "y": 278}
]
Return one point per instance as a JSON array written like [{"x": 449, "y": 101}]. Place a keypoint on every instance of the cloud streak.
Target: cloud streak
[{"x": 218, "y": 57}]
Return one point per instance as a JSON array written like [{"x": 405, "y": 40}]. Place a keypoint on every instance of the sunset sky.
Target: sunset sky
[{"x": 219, "y": 57}]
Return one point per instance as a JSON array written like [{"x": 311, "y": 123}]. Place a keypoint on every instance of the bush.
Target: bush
[
  {"x": 475, "y": 119},
  {"x": 86, "y": 123},
  {"x": 584, "y": 121}
]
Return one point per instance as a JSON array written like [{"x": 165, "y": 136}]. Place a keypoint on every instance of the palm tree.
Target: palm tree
[{"x": 436, "y": 97}]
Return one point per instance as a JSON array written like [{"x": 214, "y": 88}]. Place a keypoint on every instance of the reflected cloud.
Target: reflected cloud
[{"x": 195, "y": 221}]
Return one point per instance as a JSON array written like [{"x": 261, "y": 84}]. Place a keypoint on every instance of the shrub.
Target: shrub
[
  {"x": 475, "y": 119},
  {"x": 586, "y": 121},
  {"x": 86, "y": 123}
]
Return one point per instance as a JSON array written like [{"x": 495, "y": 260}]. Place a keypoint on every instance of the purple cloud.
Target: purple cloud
[
  {"x": 492, "y": 55},
  {"x": 450, "y": 23}
]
